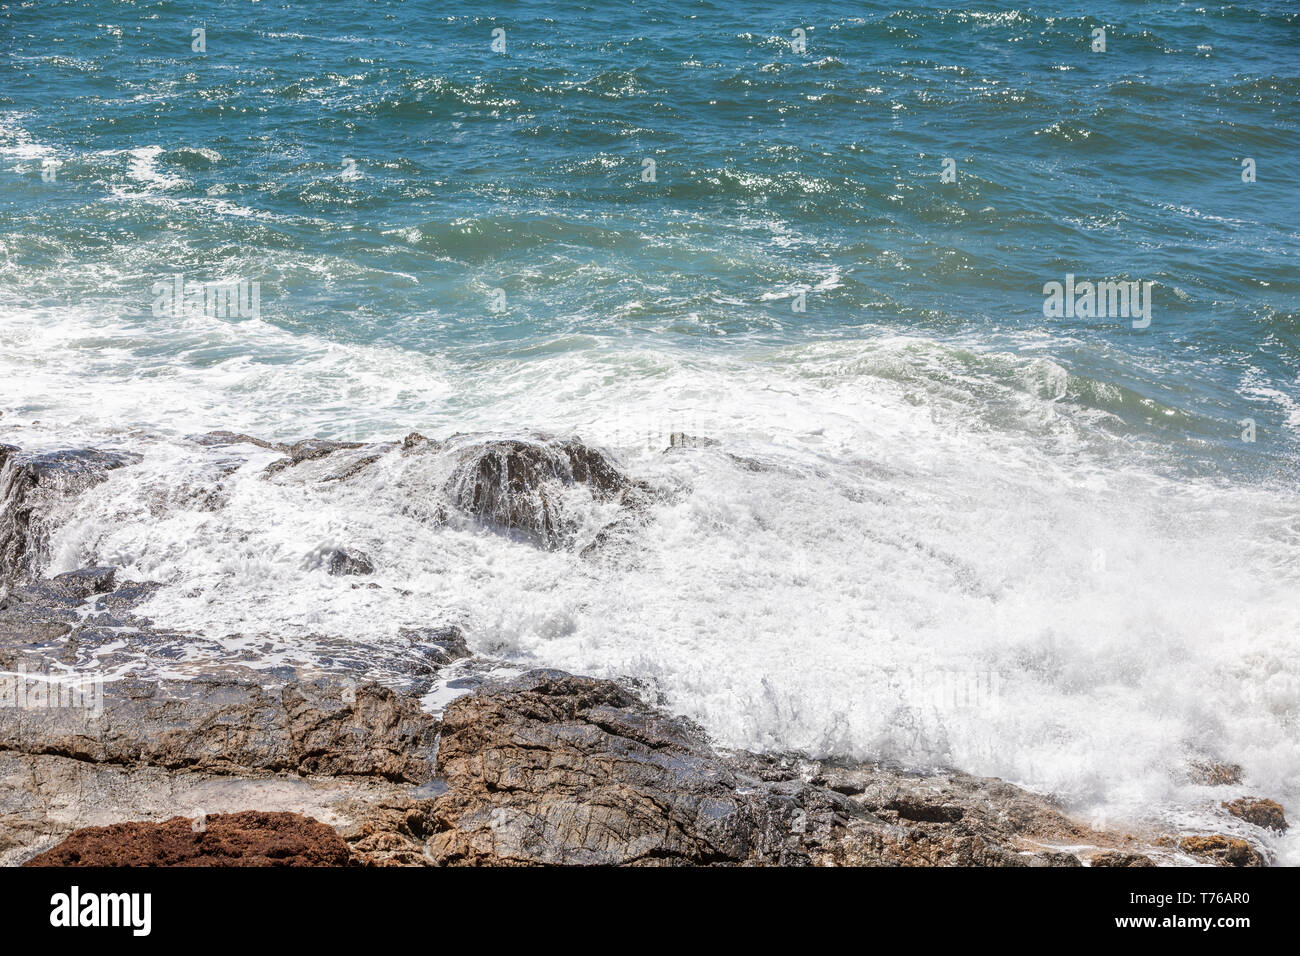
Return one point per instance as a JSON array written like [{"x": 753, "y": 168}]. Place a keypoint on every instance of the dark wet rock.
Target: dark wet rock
[
  {"x": 127, "y": 595},
  {"x": 924, "y": 811},
  {"x": 219, "y": 439},
  {"x": 84, "y": 583},
  {"x": 250, "y": 838},
  {"x": 518, "y": 484},
  {"x": 1119, "y": 858},
  {"x": 1261, "y": 812},
  {"x": 437, "y": 646},
  {"x": 343, "y": 561},
  {"x": 230, "y": 726},
  {"x": 32, "y": 486},
  {"x": 1222, "y": 850},
  {"x": 313, "y": 449},
  {"x": 413, "y": 440}
]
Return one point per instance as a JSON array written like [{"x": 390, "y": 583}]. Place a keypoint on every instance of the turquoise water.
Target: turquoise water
[
  {"x": 775, "y": 171},
  {"x": 953, "y": 530}
]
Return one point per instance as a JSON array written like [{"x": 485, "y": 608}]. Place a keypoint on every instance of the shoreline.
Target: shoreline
[{"x": 545, "y": 768}]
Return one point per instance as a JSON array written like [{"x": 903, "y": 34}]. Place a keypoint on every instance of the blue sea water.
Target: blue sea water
[{"x": 453, "y": 228}]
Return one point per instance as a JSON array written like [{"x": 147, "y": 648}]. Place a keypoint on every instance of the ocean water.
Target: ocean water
[{"x": 940, "y": 527}]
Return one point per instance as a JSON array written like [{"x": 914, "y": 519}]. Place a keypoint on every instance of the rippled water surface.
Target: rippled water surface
[{"x": 939, "y": 526}]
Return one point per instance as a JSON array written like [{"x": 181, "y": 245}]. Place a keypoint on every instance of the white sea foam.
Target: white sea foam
[{"x": 894, "y": 551}]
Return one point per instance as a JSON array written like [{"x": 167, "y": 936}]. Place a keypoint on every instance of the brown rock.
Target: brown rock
[
  {"x": 249, "y": 838},
  {"x": 1119, "y": 858},
  {"x": 552, "y": 768},
  {"x": 1215, "y": 774},
  {"x": 229, "y": 726},
  {"x": 1222, "y": 850},
  {"x": 1261, "y": 812}
]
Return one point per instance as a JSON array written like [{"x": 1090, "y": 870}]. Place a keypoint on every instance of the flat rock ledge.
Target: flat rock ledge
[{"x": 546, "y": 769}]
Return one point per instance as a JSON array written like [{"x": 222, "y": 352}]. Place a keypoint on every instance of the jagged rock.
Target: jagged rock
[
  {"x": 1223, "y": 850},
  {"x": 83, "y": 583},
  {"x": 437, "y": 646},
  {"x": 389, "y": 832},
  {"x": 342, "y": 561},
  {"x": 551, "y": 768},
  {"x": 1118, "y": 858},
  {"x": 250, "y": 838},
  {"x": 230, "y": 726},
  {"x": 1261, "y": 812},
  {"x": 517, "y": 483},
  {"x": 31, "y": 486}
]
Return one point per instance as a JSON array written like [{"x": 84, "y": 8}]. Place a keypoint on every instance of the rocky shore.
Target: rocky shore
[{"x": 238, "y": 765}]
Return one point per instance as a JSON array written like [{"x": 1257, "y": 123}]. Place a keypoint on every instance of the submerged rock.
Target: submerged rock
[
  {"x": 218, "y": 439},
  {"x": 683, "y": 440},
  {"x": 437, "y": 646},
  {"x": 250, "y": 838},
  {"x": 518, "y": 484},
  {"x": 32, "y": 486},
  {"x": 341, "y": 561},
  {"x": 311, "y": 449}
]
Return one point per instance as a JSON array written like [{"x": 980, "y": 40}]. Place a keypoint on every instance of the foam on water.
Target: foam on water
[
  {"x": 936, "y": 528},
  {"x": 876, "y": 560}
]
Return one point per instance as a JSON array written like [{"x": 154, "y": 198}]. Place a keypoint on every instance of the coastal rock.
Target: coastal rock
[
  {"x": 1118, "y": 858},
  {"x": 32, "y": 486},
  {"x": 219, "y": 439},
  {"x": 311, "y": 449},
  {"x": 437, "y": 646},
  {"x": 1222, "y": 850},
  {"x": 1261, "y": 812},
  {"x": 518, "y": 484},
  {"x": 552, "y": 768},
  {"x": 44, "y": 798},
  {"x": 250, "y": 838},
  {"x": 229, "y": 726},
  {"x": 341, "y": 561}
]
